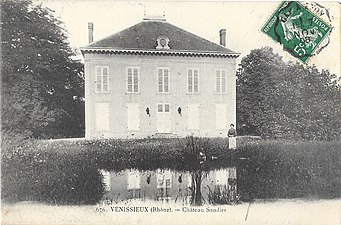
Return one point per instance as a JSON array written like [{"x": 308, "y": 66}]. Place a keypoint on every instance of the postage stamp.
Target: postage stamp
[{"x": 301, "y": 32}]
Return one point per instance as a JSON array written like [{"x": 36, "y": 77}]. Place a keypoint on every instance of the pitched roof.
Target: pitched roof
[{"x": 142, "y": 37}]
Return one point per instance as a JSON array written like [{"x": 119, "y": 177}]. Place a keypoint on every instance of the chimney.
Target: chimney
[
  {"x": 222, "y": 35},
  {"x": 91, "y": 32}
]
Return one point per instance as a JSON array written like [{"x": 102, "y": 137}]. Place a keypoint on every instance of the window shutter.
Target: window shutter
[
  {"x": 105, "y": 79},
  {"x": 133, "y": 116},
  {"x": 220, "y": 116},
  {"x": 189, "y": 80},
  {"x": 193, "y": 116},
  {"x": 136, "y": 80},
  {"x": 166, "y": 80},
  {"x": 98, "y": 79},
  {"x": 129, "y": 80},
  {"x": 102, "y": 117},
  {"x": 223, "y": 81},
  {"x": 196, "y": 81},
  {"x": 218, "y": 81},
  {"x": 160, "y": 81}
]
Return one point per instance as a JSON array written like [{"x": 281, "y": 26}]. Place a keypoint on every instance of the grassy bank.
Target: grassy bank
[{"x": 66, "y": 172}]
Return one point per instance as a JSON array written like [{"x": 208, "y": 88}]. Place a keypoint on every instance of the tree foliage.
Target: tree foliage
[
  {"x": 278, "y": 99},
  {"x": 42, "y": 86}
]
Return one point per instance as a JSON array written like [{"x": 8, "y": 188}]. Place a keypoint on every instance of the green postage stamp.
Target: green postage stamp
[{"x": 300, "y": 31}]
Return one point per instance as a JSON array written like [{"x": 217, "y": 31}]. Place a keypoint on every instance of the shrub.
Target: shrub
[
  {"x": 283, "y": 169},
  {"x": 33, "y": 172}
]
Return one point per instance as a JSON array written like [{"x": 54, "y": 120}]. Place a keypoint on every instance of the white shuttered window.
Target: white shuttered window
[
  {"x": 102, "y": 117},
  {"x": 133, "y": 80},
  {"x": 221, "y": 81},
  {"x": 220, "y": 116},
  {"x": 102, "y": 79},
  {"x": 163, "y": 80},
  {"x": 133, "y": 116},
  {"x": 193, "y": 81},
  {"x": 193, "y": 117}
]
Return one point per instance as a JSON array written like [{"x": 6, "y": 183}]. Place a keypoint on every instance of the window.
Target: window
[
  {"x": 163, "y": 80},
  {"x": 133, "y": 116},
  {"x": 193, "y": 81},
  {"x": 193, "y": 117},
  {"x": 102, "y": 116},
  {"x": 220, "y": 116},
  {"x": 102, "y": 79},
  {"x": 163, "y": 179},
  {"x": 221, "y": 81},
  {"x": 160, "y": 108},
  {"x": 166, "y": 107},
  {"x": 133, "y": 79}
]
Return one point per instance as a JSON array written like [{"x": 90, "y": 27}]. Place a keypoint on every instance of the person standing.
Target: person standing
[{"x": 231, "y": 134}]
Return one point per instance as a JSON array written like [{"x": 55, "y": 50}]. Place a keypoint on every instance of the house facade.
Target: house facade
[{"x": 155, "y": 78}]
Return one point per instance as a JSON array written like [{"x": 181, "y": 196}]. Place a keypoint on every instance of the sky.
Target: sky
[{"x": 242, "y": 21}]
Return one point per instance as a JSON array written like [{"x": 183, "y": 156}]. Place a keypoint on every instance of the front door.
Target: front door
[{"x": 163, "y": 118}]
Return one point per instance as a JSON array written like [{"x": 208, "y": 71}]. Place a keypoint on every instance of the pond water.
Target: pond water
[{"x": 218, "y": 186}]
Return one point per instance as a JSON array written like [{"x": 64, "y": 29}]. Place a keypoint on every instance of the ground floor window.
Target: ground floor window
[
  {"x": 220, "y": 116},
  {"x": 193, "y": 115},
  {"x": 133, "y": 116},
  {"x": 102, "y": 117}
]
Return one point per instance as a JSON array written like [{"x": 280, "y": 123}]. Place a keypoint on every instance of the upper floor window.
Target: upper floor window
[
  {"x": 133, "y": 79},
  {"x": 193, "y": 81},
  {"x": 221, "y": 81},
  {"x": 163, "y": 80},
  {"x": 102, "y": 79}
]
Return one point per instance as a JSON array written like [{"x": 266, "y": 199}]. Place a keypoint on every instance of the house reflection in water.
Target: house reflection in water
[{"x": 217, "y": 186}]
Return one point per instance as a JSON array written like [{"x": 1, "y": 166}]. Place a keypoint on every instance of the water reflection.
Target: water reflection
[{"x": 196, "y": 187}]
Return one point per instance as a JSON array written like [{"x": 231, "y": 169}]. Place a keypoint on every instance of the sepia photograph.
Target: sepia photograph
[{"x": 170, "y": 112}]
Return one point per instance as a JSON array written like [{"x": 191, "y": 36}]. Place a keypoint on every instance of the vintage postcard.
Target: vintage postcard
[{"x": 170, "y": 112}]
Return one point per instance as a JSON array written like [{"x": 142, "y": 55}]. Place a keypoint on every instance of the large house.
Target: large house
[{"x": 155, "y": 78}]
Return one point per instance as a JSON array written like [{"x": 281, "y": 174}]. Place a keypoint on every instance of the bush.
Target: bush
[
  {"x": 283, "y": 169},
  {"x": 31, "y": 172}
]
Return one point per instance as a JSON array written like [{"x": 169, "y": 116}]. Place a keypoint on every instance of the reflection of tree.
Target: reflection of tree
[
  {"x": 196, "y": 195},
  {"x": 201, "y": 162},
  {"x": 198, "y": 152}
]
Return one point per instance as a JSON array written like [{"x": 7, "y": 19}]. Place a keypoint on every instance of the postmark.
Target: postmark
[{"x": 300, "y": 31}]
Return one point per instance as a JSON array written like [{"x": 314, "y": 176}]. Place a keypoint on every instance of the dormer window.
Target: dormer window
[{"x": 162, "y": 42}]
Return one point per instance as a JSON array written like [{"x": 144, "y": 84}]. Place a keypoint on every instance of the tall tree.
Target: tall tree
[
  {"x": 278, "y": 99},
  {"x": 42, "y": 86}
]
